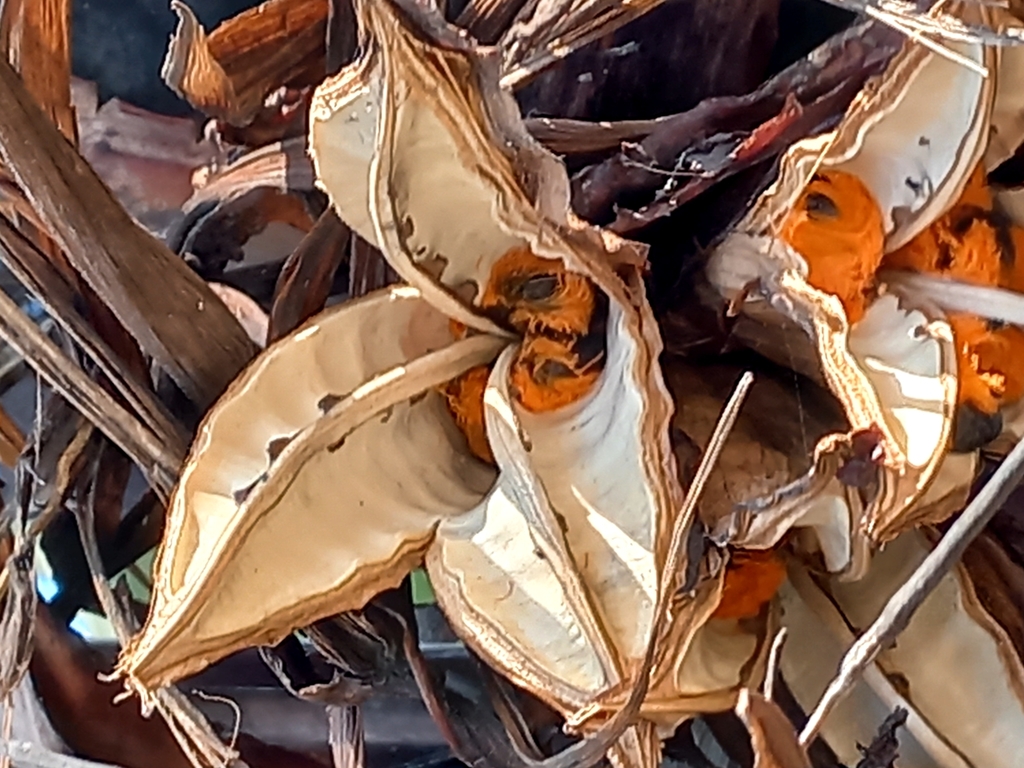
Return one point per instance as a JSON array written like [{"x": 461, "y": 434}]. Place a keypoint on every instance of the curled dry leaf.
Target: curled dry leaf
[
  {"x": 901, "y": 158},
  {"x": 502, "y": 417},
  {"x": 262, "y": 192},
  {"x": 229, "y": 73},
  {"x": 954, "y": 668}
]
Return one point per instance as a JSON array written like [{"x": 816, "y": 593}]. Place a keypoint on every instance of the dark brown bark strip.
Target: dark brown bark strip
[
  {"x": 175, "y": 317},
  {"x": 305, "y": 282}
]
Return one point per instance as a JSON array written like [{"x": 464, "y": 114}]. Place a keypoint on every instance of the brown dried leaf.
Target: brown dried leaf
[
  {"x": 283, "y": 166},
  {"x": 305, "y": 282},
  {"x": 545, "y": 33},
  {"x": 825, "y": 82},
  {"x": 487, "y": 20},
  {"x": 563, "y": 136},
  {"x": 36, "y": 37},
  {"x": 368, "y": 270},
  {"x": 229, "y": 73},
  {"x": 771, "y": 733},
  {"x": 31, "y": 266},
  {"x": 40, "y": 51},
  {"x": 170, "y": 311},
  {"x": 246, "y": 311}
]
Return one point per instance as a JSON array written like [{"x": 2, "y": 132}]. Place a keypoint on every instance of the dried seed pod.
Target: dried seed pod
[
  {"x": 548, "y": 563},
  {"x": 954, "y": 669},
  {"x": 286, "y": 527},
  {"x": 902, "y": 156}
]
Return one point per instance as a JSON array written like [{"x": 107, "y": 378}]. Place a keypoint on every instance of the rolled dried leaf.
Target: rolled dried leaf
[{"x": 229, "y": 73}]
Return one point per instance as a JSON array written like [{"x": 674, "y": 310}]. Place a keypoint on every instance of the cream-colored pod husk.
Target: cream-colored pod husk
[
  {"x": 264, "y": 532},
  {"x": 912, "y": 136},
  {"x": 953, "y": 668},
  {"x": 331, "y": 466},
  {"x": 455, "y": 184}
]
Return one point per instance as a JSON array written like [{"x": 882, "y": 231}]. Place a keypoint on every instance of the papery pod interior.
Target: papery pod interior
[
  {"x": 954, "y": 668},
  {"x": 912, "y": 137},
  {"x": 554, "y": 577},
  {"x": 267, "y": 528}
]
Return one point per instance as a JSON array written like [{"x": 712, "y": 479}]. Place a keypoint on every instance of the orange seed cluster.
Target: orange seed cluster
[
  {"x": 836, "y": 226},
  {"x": 752, "y": 577},
  {"x": 974, "y": 244},
  {"x": 561, "y": 316}
]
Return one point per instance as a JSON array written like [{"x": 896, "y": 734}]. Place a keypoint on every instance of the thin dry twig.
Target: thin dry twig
[
  {"x": 60, "y": 485},
  {"x": 235, "y": 709},
  {"x": 190, "y": 728},
  {"x": 774, "y": 659},
  {"x": 147, "y": 450},
  {"x": 906, "y": 17},
  {"x": 897, "y": 613}
]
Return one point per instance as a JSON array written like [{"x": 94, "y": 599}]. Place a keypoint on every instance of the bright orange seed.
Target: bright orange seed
[
  {"x": 752, "y": 577},
  {"x": 552, "y": 308},
  {"x": 964, "y": 244},
  {"x": 539, "y": 294},
  {"x": 465, "y": 398},
  {"x": 836, "y": 226},
  {"x": 959, "y": 245},
  {"x": 546, "y": 375}
]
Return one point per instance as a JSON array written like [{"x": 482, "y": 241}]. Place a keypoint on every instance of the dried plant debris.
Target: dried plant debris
[
  {"x": 419, "y": 342},
  {"x": 126, "y": 266},
  {"x": 883, "y": 751},
  {"x": 230, "y": 73},
  {"x": 562, "y": 350},
  {"x": 38, "y": 46},
  {"x": 846, "y": 204},
  {"x": 773, "y": 738},
  {"x": 685, "y": 154}
]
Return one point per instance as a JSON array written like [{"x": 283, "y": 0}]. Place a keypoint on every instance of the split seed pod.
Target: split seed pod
[
  {"x": 334, "y": 465},
  {"x": 954, "y": 668},
  {"x": 908, "y": 144}
]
